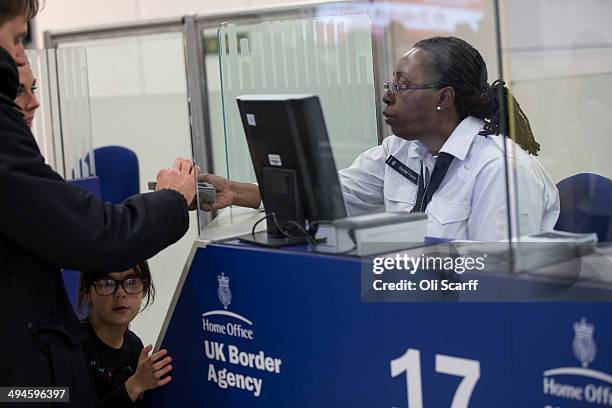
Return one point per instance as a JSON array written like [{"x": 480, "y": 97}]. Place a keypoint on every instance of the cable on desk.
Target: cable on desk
[{"x": 308, "y": 234}]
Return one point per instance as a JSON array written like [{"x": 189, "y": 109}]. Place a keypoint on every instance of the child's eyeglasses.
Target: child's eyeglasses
[{"x": 108, "y": 286}]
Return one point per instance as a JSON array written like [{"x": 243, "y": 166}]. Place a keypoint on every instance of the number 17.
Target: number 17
[{"x": 461, "y": 367}]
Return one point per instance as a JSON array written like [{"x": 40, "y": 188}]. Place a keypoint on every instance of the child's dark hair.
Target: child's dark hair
[
  {"x": 141, "y": 271},
  {"x": 10, "y": 9}
]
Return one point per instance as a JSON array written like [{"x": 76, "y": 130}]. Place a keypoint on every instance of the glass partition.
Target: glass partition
[
  {"x": 139, "y": 97},
  {"x": 329, "y": 57},
  {"x": 44, "y": 128},
  {"x": 558, "y": 65},
  {"x": 560, "y": 70},
  {"x": 215, "y": 104},
  {"x": 62, "y": 125},
  {"x": 394, "y": 29},
  {"x": 397, "y": 25}
]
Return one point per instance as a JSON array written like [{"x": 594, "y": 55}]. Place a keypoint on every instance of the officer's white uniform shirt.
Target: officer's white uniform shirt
[{"x": 471, "y": 201}]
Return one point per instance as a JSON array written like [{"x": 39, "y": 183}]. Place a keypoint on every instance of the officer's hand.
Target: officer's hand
[
  {"x": 224, "y": 194},
  {"x": 181, "y": 178}
]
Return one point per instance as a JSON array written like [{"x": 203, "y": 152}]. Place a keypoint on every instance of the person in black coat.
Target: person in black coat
[{"x": 47, "y": 224}]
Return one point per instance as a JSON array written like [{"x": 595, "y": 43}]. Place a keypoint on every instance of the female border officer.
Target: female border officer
[{"x": 447, "y": 155}]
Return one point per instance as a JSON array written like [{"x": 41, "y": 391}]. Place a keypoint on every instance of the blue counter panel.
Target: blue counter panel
[{"x": 316, "y": 344}]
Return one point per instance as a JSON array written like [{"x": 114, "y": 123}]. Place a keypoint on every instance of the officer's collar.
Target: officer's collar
[
  {"x": 417, "y": 149},
  {"x": 459, "y": 142}
]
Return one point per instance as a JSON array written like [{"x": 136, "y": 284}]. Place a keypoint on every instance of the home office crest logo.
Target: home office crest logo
[
  {"x": 580, "y": 384},
  {"x": 230, "y": 328},
  {"x": 224, "y": 292},
  {"x": 584, "y": 345}
]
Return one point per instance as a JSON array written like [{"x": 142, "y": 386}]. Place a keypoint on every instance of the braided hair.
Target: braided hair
[{"x": 455, "y": 63}]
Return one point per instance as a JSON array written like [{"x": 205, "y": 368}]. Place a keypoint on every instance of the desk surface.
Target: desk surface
[{"x": 594, "y": 269}]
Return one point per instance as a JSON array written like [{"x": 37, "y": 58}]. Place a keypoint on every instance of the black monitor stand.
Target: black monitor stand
[{"x": 280, "y": 194}]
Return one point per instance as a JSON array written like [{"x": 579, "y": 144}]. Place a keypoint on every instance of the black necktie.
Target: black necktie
[{"x": 425, "y": 192}]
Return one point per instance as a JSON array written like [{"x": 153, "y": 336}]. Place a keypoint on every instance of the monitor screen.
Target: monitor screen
[{"x": 293, "y": 160}]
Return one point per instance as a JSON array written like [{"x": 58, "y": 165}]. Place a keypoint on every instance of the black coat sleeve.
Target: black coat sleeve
[{"x": 69, "y": 227}]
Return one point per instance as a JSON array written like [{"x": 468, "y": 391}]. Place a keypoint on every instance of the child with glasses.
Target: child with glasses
[{"x": 122, "y": 368}]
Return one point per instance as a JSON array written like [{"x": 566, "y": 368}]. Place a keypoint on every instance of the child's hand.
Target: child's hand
[{"x": 148, "y": 373}]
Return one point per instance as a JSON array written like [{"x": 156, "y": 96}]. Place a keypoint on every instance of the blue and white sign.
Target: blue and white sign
[{"x": 262, "y": 328}]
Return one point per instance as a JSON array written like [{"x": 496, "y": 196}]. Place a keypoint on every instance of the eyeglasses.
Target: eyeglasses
[
  {"x": 108, "y": 286},
  {"x": 395, "y": 88}
]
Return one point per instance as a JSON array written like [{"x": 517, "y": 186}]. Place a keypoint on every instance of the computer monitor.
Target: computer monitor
[{"x": 294, "y": 165}]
